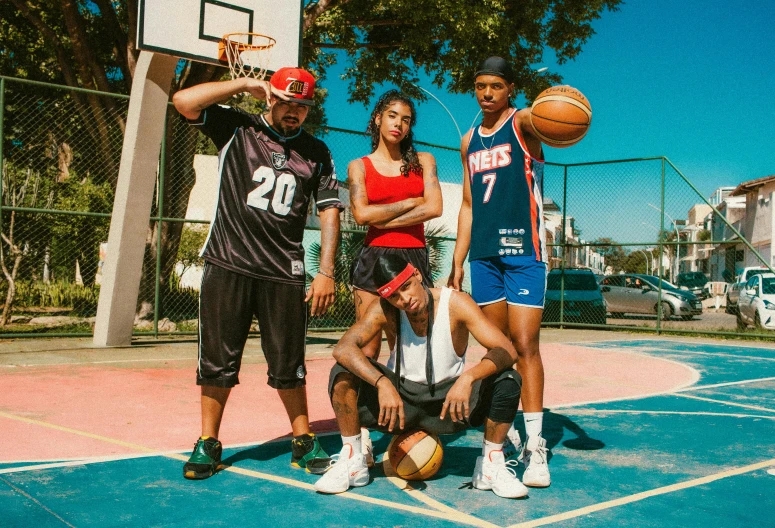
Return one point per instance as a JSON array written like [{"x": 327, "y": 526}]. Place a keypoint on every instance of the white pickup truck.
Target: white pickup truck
[{"x": 733, "y": 292}]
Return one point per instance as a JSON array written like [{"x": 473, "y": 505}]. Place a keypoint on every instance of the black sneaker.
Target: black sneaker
[
  {"x": 204, "y": 460},
  {"x": 307, "y": 453}
]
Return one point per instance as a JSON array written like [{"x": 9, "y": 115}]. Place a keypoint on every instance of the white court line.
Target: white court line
[
  {"x": 645, "y": 495},
  {"x": 416, "y": 494},
  {"x": 684, "y": 386},
  {"x": 36, "y": 501},
  {"x": 594, "y": 412},
  {"x": 725, "y": 384},
  {"x": 724, "y": 402},
  {"x": 82, "y": 461},
  {"x": 677, "y": 341},
  {"x": 714, "y": 354}
]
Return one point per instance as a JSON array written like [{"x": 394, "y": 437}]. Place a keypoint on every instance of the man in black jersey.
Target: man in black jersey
[{"x": 254, "y": 260}]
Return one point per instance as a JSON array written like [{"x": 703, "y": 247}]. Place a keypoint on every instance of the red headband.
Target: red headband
[{"x": 388, "y": 289}]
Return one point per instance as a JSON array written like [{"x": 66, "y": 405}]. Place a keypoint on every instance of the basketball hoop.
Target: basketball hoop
[{"x": 247, "y": 54}]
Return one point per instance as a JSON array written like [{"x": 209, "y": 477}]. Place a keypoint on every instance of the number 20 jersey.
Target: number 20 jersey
[
  {"x": 266, "y": 181},
  {"x": 506, "y": 195}
]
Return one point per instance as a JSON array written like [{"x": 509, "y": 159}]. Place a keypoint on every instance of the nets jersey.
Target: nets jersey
[
  {"x": 266, "y": 181},
  {"x": 506, "y": 195}
]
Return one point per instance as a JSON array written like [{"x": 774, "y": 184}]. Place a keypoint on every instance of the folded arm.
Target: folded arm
[
  {"x": 431, "y": 206},
  {"x": 371, "y": 214}
]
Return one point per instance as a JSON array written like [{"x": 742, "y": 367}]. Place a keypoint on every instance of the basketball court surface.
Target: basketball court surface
[{"x": 643, "y": 432}]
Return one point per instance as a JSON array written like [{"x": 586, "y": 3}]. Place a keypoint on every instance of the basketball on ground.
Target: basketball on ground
[
  {"x": 561, "y": 116},
  {"x": 415, "y": 454}
]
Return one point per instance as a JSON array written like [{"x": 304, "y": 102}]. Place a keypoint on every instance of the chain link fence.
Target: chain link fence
[{"x": 612, "y": 229}]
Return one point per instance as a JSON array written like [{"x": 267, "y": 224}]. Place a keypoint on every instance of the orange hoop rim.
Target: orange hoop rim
[{"x": 237, "y": 46}]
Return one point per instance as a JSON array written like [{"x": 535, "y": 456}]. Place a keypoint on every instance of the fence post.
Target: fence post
[
  {"x": 159, "y": 226},
  {"x": 661, "y": 249},
  {"x": 2, "y": 140},
  {"x": 564, "y": 242}
]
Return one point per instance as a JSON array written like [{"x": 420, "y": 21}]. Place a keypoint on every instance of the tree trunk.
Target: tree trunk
[{"x": 9, "y": 298}]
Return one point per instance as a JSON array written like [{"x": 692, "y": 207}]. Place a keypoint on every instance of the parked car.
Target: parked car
[
  {"x": 583, "y": 302},
  {"x": 694, "y": 281},
  {"x": 756, "y": 303},
  {"x": 733, "y": 292},
  {"x": 636, "y": 293}
]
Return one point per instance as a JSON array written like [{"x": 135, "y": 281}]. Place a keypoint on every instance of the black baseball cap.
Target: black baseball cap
[{"x": 496, "y": 66}]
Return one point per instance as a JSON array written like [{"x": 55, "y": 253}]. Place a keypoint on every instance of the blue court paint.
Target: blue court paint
[
  {"x": 600, "y": 452},
  {"x": 712, "y": 368},
  {"x": 744, "y": 500}
]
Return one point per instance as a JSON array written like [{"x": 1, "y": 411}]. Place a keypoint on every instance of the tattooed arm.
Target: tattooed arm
[
  {"x": 349, "y": 353},
  {"x": 370, "y": 214},
  {"x": 431, "y": 206}
]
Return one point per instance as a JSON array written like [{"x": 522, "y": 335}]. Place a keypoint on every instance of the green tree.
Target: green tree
[
  {"x": 23, "y": 234},
  {"x": 615, "y": 256},
  {"x": 393, "y": 40},
  {"x": 91, "y": 44},
  {"x": 192, "y": 240}
]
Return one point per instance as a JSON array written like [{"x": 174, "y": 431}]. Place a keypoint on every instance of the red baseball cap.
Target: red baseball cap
[{"x": 300, "y": 83}]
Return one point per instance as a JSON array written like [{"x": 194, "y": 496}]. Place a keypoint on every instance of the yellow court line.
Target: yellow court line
[
  {"x": 459, "y": 517},
  {"x": 723, "y": 402},
  {"x": 413, "y": 492},
  {"x": 644, "y": 495},
  {"x": 77, "y": 432}
]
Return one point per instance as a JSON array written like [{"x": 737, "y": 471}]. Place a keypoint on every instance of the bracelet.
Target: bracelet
[
  {"x": 321, "y": 272},
  {"x": 377, "y": 382}
]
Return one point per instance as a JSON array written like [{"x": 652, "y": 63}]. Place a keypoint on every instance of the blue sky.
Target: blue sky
[{"x": 691, "y": 80}]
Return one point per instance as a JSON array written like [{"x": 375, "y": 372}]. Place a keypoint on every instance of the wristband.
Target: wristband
[
  {"x": 500, "y": 358},
  {"x": 377, "y": 382},
  {"x": 321, "y": 272}
]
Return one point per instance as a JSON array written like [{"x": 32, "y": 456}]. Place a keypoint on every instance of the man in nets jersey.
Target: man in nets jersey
[
  {"x": 501, "y": 225},
  {"x": 254, "y": 260}
]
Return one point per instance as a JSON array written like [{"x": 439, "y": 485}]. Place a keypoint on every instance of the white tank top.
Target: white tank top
[{"x": 446, "y": 363}]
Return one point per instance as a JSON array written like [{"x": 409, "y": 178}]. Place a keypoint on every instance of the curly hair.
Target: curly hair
[{"x": 411, "y": 162}]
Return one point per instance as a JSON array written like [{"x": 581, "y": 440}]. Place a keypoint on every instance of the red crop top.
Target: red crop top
[{"x": 382, "y": 190}]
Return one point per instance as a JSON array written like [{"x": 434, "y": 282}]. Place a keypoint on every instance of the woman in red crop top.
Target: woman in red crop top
[{"x": 393, "y": 190}]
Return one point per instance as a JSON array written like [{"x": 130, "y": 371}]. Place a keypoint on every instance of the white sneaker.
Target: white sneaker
[
  {"x": 347, "y": 469},
  {"x": 536, "y": 473},
  {"x": 366, "y": 447},
  {"x": 512, "y": 446},
  {"x": 497, "y": 475}
]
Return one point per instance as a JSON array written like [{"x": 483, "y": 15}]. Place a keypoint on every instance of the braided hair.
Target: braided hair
[{"x": 411, "y": 162}]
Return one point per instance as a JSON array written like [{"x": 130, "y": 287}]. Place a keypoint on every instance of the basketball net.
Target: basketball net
[{"x": 247, "y": 54}]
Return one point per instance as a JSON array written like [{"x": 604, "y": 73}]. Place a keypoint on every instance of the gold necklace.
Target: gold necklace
[{"x": 495, "y": 131}]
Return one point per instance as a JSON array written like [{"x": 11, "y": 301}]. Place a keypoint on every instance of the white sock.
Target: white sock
[
  {"x": 534, "y": 423},
  {"x": 513, "y": 435},
  {"x": 488, "y": 447},
  {"x": 354, "y": 441}
]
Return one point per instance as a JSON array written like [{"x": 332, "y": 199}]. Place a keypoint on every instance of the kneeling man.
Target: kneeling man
[{"x": 424, "y": 384}]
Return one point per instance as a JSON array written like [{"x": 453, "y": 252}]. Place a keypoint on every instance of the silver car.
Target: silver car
[{"x": 635, "y": 293}]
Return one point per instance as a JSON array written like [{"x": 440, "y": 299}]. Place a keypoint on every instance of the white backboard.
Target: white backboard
[{"x": 191, "y": 29}]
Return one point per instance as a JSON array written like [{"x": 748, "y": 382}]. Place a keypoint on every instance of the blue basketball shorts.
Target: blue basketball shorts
[{"x": 519, "y": 280}]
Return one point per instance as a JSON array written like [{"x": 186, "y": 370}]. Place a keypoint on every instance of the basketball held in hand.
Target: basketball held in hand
[
  {"x": 415, "y": 454},
  {"x": 561, "y": 116}
]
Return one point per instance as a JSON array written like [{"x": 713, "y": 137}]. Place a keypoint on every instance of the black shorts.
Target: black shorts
[
  {"x": 363, "y": 267},
  {"x": 227, "y": 303},
  {"x": 421, "y": 410}
]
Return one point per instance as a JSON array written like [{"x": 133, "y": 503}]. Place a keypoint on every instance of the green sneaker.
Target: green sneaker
[
  {"x": 307, "y": 453},
  {"x": 204, "y": 460}
]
